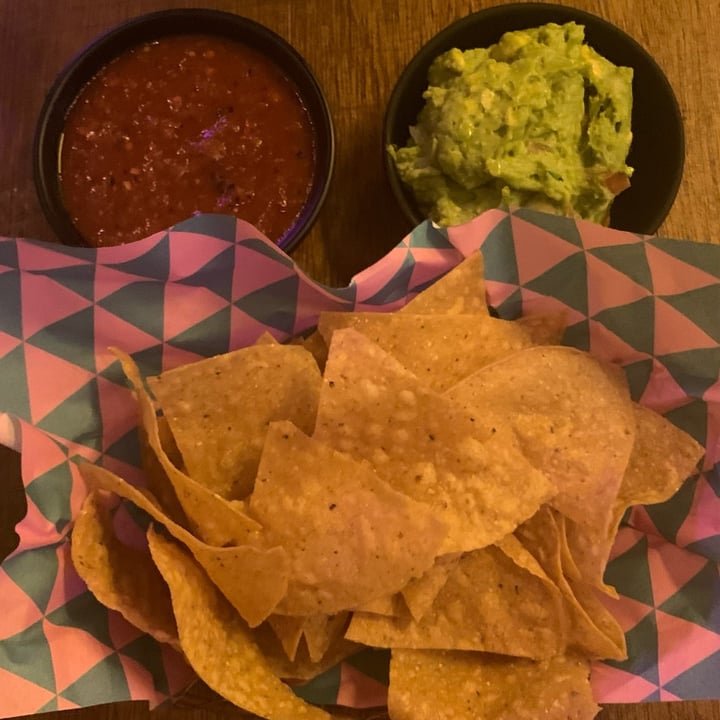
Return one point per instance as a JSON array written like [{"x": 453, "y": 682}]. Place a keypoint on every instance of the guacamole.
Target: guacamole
[{"x": 539, "y": 120}]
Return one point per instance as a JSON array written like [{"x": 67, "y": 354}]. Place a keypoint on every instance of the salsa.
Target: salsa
[{"x": 183, "y": 125}]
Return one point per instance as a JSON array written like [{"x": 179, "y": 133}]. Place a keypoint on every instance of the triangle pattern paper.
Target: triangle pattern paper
[
  {"x": 610, "y": 287},
  {"x": 140, "y": 682},
  {"x": 8, "y": 253},
  {"x": 612, "y": 685},
  {"x": 126, "y": 448},
  {"x": 536, "y": 249},
  {"x": 74, "y": 416},
  {"x": 669, "y": 516},
  {"x": 68, "y": 664},
  {"x": 671, "y": 567},
  {"x": 45, "y": 301},
  {"x": 390, "y": 286},
  {"x": 264, "y": 248},
  {"x": 190, "y": 252},
  {"x": 273, "y": 305},
  {"x": 552, "y": 224},
  {"x": 360, "y": 690},
  {"x": 28, "y": 655},
  {"x": 506, "y": 300},
  {"x": 675, "y": 637},
  {"x": 69, "y": 338},
  {"x": 111, "y": 330},
  {"x": 108, "y": 281},
  {"x": 208, "y": 337},
  {"x": 594, "y": 235},
  {"x": 41, "y": 256},
  {"x": 148, "y": 258},
  {"x": 630, "y": 260},
  {"x": 499, "y": 254},
  {"x": 34, "y": 574},
  {"x": 78, "y": 278},
  {"x": 566, "y": 282},
  {"x": 608, "y": 346},
  {"x": 105, "y": 679},
  {"x": 698, "y": 683},
  {"x": 266, "y": 271},
  {"x": 118, "y": 412},
  {"x": 578, "y": 335},
  {"x": 131, "y": 303},
  {"x": 695, "y": 370},
  {"x": 323, "y": 689},
  {"x": 698, "y": 255},
  {"x": 222, "y": 227},
  {"x": 468, "y": 238},
  {"x": 189, "y": 306},
  {"x": 217, "y": 273},
  {"x": 85, "y": 614},
  {"x": 11, "y": 315},
  {"x": 691, "y": 417},
  {"x": 21, "y": 696},
  {"x": 708, "y": 547},
  {"x": 672, "y": 276},
  {"x": 679, "y": 333},
  {"x": 638, "y": 375},
  {"x": 642, "y": 651},
  {"x": 18, "y": 613},
  {"x": 147, "y": 653},
  {"x": 636, "y": 584},
  {"x": 427, "y": 235},
  {"x": 701, "y": 305},
  {"x": 51, "y": 494},
  {"x": 697, "y": 600},
  {"x": 14, "y": 389},
  {"x": 632, "y": 323}
]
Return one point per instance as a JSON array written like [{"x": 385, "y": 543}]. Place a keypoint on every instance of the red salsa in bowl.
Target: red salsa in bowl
[{"x": 180, "y": 119}]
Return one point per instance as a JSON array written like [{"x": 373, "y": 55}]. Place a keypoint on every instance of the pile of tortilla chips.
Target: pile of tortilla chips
[{"x": 435, "y": 481}]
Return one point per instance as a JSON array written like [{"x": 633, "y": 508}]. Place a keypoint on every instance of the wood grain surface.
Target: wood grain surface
[{"x": 357, "y": 49}]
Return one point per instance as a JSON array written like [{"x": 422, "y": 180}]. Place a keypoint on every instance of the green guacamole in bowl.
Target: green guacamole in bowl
[{"x": 539, "y": 119}]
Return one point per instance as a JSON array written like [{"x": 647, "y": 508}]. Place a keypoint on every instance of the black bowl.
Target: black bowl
[
  {"x": 87, "y": 63},
  {"x": 658, "y": 149}
]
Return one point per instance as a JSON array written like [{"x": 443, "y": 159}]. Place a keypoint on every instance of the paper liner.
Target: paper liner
[{"x": 211, "y": 284}]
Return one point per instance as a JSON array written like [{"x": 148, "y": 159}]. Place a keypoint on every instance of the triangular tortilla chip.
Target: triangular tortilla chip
[
  {"x": 253, "y": 579},
  {"x": 432, "y": 684},
  {"x": 349, "y": 536},
  {"x": 488, "y": 603},
  {"x": 121, "y": 577},
  {"x": 425, "y": 445},
  {"x": 213, "y": 519},
  {"x": 439, "y": 349},
  {"x": 663, "y": 456},
  {"x": 218, "y": 409},
  {"x": 420, "y": 593},
  {"x": 544, "y": 329},
  {"x": 218, "y": 644},
  {"x": 460, "y": 291},
  {"x": 574, "y": 418}
]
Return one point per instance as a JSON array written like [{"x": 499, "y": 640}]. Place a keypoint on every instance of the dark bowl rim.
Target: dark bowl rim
[
  {"x": 89, "y": 60},
  {"x": 438, "y": 43}
]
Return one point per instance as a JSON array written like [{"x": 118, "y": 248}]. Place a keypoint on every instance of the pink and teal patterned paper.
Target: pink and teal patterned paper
[{"x": 211, "y": 284}]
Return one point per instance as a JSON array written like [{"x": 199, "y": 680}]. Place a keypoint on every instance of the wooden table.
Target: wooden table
[{"x": 357, "y": 48}]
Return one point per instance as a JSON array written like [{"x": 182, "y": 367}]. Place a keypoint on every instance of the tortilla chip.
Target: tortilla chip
[
  {"x": 544, "y": 329},
  {"x": 322, "y": 631},
  {"x": 440, "y": 349},
  {"x": 592, "y": 630},
  {"x": 252, "y": 578},
  {"x": 470, "y": 471},
  {"x": 288, "y": 630},
  {"x": 315, "y": 344},
  {"x": 301, "y": 668},
  {"x": 218, "y": 409},
  {"x": 488, "y": 603},
  {"x": 349, "y": 536},
  {"x": 662, "y": 458},
  {"x": 460, "y": 291},
  {"x": 122, "y": 578},
  {"x": 210, "y": 517},
  {"x": 420, "y": 593},
  {"x": 218, "y": 644},
  {"x": 386, "y": 605},
  {"x": 574, "y": 418},
  {"x": 426, "y": 685}
]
